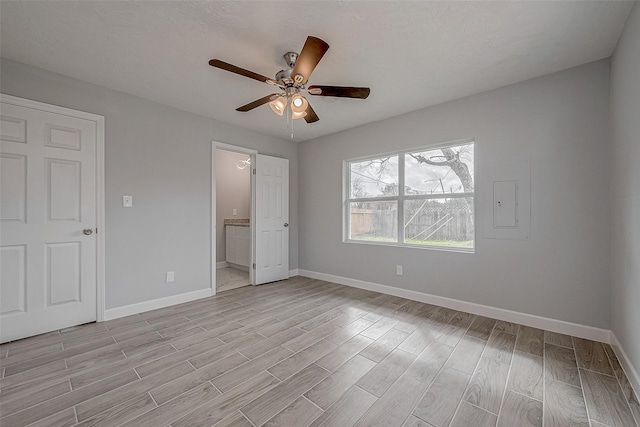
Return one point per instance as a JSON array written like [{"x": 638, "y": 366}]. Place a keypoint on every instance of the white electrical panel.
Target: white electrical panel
[
  {"x": 506, "y": 191},
  {"x": 505, "y": 204}
]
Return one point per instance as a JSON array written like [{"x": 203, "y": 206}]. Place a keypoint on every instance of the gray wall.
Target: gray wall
[
  {"x": 625, "y": 188},
  {"x": 560, "y": 123},
  {"x": 233, "y": 191},
  {"x": 161, "y": 156}
]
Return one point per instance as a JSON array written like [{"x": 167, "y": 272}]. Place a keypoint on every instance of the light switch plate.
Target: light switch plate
[{"x": 127, "y": 201}]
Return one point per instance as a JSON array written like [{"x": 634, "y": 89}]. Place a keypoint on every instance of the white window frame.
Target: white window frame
[{"x": 401, "y": 197}]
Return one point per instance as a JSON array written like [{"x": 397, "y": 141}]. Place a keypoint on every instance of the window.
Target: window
[{"x": 419, "y": 198}]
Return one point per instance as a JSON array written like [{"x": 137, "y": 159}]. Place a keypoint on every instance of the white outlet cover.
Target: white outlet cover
[
  {"x": 170, "y": 276},
  {"x": 127, "y": 201}
]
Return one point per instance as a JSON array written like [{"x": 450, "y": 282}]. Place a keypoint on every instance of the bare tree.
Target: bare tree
[
  {"x": 451, "y": 159},
  {"x": 357, "y": 191},
  {"x": 376, "y": 166}
]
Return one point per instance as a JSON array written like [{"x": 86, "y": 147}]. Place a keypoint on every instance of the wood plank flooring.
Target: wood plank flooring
[{"x": 305, "y": 352}]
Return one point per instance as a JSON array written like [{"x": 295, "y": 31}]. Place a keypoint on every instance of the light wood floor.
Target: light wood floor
[{"x": 306, "y": 352}]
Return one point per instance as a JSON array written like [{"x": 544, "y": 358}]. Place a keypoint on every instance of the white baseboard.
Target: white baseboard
[
  {"x": 222, "y": 264},
  {"x": 553, "y": 325},
  {"x": 629, "y": 369},
  {"x": 294, "y": 273},
  {"x": 141, "y": 307},
  {"x": 238, "y": 266}
]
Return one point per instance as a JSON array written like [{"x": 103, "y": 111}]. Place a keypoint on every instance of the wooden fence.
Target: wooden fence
[{"x": 452, "y": 221}]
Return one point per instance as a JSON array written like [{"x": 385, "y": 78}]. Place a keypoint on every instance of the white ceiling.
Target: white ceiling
[{"x": 411, "y": 54}]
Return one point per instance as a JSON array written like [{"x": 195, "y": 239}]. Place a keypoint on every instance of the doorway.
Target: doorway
[
  {"x": 233, "y": 225},
  {"x": 261, "y": 229}
]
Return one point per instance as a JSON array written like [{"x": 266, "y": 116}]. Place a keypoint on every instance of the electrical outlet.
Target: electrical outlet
[
  {"x": 399, "y": 270},
  {"x": 127, "y": 201},
  {"x": 235, "y": 212},
  {"x": 171, "y": 276}
]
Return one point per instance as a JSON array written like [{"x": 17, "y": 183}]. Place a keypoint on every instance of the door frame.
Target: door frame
[
  {"x": 100, "y": 183},
  {"x": 215, "y": 145}
]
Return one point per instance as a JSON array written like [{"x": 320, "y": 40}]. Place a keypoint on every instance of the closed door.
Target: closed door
[
  {"x": 272, "y": 219},
  {"x": 47, "y": 220}
]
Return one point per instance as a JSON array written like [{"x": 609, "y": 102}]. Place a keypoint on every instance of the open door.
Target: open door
[{"x": 271, "y": 219}]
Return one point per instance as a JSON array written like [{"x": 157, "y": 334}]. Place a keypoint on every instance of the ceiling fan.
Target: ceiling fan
[{"x": 292, "y": 81}]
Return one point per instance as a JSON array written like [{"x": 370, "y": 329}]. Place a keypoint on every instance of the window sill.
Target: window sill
[{"x": 405, "y": 245}]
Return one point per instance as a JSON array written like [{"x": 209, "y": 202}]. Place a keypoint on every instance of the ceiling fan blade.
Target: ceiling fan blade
[
  {"x": 311, "y": 116},
  {"x": 312, "y": 52},
  {"x": 250, "y": 106},
  {"x": 340, "y": 91},
  {"x": 232, "y": 68}
]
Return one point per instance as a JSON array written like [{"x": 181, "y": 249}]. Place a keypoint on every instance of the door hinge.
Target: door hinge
[
  {"x": 254, "y": 265},
  {"x": 254, "y": 171}
]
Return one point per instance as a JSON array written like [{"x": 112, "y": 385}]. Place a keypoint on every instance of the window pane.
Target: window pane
[
  {"x": 440, "y": 171},
  {"x": 439, "y": 222},
  {"x": 374, "y": 178},
  {"x": 374, "y": 221}
]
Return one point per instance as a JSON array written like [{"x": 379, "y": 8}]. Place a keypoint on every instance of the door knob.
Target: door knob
[
  {"x": 286, "y": 224},
  {"x": 88, "y": 231}
]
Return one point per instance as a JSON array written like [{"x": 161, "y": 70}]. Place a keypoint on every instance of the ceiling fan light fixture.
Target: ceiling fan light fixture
[
  {"x": 278, "y": 105},
  {"x": 299, "y": 104},
  {"x": 292, "y": 81},
  {"x": 300, "y": 115}
]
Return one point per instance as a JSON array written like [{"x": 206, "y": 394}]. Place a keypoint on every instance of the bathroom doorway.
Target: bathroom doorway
[{"x": 233, "y": 243}]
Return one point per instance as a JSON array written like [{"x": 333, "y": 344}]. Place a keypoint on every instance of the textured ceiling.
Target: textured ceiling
[{"x": 411, "y": 54}]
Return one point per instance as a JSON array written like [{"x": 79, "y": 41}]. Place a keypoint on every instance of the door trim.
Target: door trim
[
  {"x": 100, "y": 202},
  {"x": 236, "y": 149}
]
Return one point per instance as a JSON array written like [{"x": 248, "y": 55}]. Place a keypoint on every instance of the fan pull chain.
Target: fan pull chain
[
  {"x": 289, "y": 115},
  {"x": 292, "y": 128}
]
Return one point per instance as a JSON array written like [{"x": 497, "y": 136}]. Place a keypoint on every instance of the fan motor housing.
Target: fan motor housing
[
  {"x": 290, "y": 58},
  {"x": 284, "y": 77}
]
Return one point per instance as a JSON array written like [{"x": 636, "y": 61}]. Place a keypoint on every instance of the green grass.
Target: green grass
[
  {"x": 377, "y": 239},
  {"x": 447, "y": 243}
]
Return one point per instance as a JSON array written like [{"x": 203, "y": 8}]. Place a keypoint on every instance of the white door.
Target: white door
[
  {"x": 272, "y": 219},
  {"x": 47, "y": 199}
]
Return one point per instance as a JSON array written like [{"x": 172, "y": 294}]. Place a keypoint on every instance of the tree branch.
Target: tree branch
[
  {"x": 421, "y": 159},
  {"x": 452, "y": 160}
]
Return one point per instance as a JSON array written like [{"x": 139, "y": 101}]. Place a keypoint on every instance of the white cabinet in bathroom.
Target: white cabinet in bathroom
[{"x": 238, "y": 245}]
